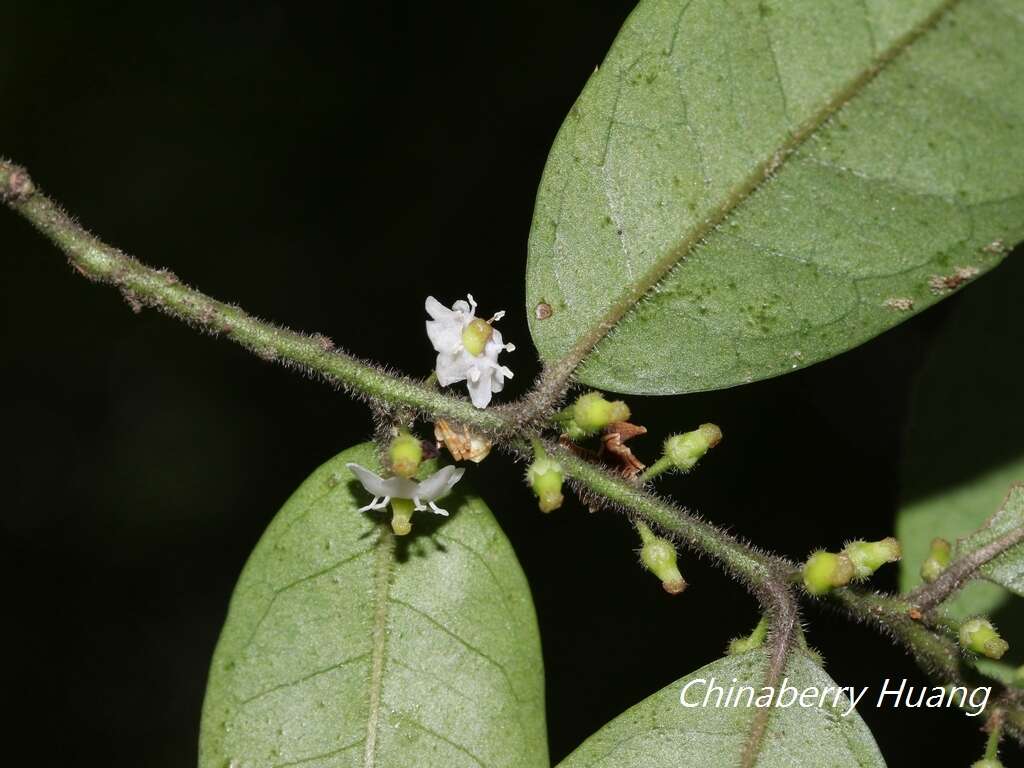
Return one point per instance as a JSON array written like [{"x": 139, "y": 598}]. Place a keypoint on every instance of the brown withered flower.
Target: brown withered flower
[{"x": 462, "y": 444}]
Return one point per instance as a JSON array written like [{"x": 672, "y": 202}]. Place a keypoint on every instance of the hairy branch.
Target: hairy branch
[
  {"x": 769, "y": 578},
  {"x": 145, "y": 286},
  {"x": 755, "y": 568},
  {"x": 935, "y": 652},
  {"x": 963, "y": 569}
]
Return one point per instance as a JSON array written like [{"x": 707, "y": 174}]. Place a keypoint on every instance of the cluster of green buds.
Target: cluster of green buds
[
  {"x": 825, "y": 571},
  {"x": 937, "y": 560},
  {"x": 980, "y": 636},
  {"x": 683, "y": 451},
  {"x": 590, "y": 414},
  {"x": 659, "y": 557},
  {"x": 545, "y": 477}
]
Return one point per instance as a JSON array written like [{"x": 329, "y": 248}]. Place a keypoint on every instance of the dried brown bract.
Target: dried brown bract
[
  {"x": 462, "y": 444},
  {"x": 616, "y": 453}
]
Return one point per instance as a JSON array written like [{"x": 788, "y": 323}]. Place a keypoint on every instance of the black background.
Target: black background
[{"x": 328, "y": 169}]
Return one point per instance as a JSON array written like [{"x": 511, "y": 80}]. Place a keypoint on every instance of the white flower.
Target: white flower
[
  {"x": 467, "y": 348},
  {"x": 386, "y": 489}
]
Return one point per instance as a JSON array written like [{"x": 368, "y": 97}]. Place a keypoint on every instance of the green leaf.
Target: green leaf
[
  {"x": 965, "y": 445},
  {"x": 799, "y": 176},
  {"x": 345, "y": 646},
  {"x": 965, "y": 439},
  {"x": 660, "y": 733},
  {"x": 1008, "y": 568}
]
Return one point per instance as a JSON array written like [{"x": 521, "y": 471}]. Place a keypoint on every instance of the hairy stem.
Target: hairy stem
[
  {"x": 934, "y": 651},
  {"x": 963, "y": 569},
  {"x": 599, "y": 485},
  {"x": 145, "y": 286},
  {"x": 769, "y": 578}
]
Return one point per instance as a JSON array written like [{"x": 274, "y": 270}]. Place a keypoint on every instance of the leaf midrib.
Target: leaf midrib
[
  {"x": 383, "y": 566},
  {"x": 633, "y": 293}
]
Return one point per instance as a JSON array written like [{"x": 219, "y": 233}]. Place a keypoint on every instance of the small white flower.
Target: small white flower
[
  {"x": 467, "y": 348},
  {"x": 422, "y": 494}
]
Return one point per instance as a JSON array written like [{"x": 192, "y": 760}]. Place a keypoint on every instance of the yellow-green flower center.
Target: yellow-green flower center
[{"x": 476, "y": 335}]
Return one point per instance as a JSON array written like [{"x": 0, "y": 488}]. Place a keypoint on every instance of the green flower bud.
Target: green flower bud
[
  {"x": 980, "y": 636},
  {"x": 685, "y": 450},
  {"x": 659, "y": 557},
  {"x": 825, "y": 571},
  {"x": 987, "y": 762},
  {"x": 545, "y": 477},
  {"x": 405, "y": 453},
  {"x": 937, "y": 560},
  {"x": 591, "y": 412},
  {"x": 476, "y": 335},
  {"x": 868, "y": 556},
  {"x": 401, "y": 516}
]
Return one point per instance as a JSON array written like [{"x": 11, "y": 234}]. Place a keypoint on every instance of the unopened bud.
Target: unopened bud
[
  {"x": 988, "y": 762},
  {"x": 659, "y": 557},
  {"x": 591, "y": 412},
  {"x": 868, "y": 556},
  {"x": 405, "y": 453},
  {"x": 825, "y": 571},
  {"x": 980, "y": 636},
  {"x": 401, "y": 516},
  {"x": 937, "y": 560},
  {"x": 685, "y": 450},
  {"x": 545, "y": 477}
]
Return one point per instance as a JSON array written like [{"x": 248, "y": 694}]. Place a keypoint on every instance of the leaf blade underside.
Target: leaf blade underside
[
  {"x": 791, "y": 179},
  {"x": 660, "y": 733},
  {"x": 964, "y": 447},
  {"x": 345, "y": 646}
]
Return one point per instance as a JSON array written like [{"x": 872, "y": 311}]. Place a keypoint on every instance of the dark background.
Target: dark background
[{"x": 328, "y": 169}]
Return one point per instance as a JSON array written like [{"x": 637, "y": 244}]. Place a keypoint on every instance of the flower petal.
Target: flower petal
[
  {"x": 480, "y": 389},
  {"x": 439, "y": 483},
  {"x": 437, "y": 310},
  {"x": 451, "y": 368},
  {"x": 395, "y": 487},
  {"x": 373, "y": 483}
]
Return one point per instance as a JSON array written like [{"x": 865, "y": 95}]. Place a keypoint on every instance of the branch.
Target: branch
[
  {"x": 161, "y": 289},
  {"x": 755, "y": 568},
  {"x": 962, "y": 570},
  {"x": 785, "y": 622},
  {"x": 935, "y": 652},
  {"x": 767, "y": 576}
]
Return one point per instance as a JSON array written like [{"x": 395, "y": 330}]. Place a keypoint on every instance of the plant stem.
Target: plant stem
[
  {"x": 145, "y": 286},
  {"x": 935, "y": 652},
  {"x": 928, "y": 596},
  {"x": 770, "y": 578},
  {"x": 661, "y": 465},
  {"x": 995, "y": 735},
  {"x": 751, "y": 566}
]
